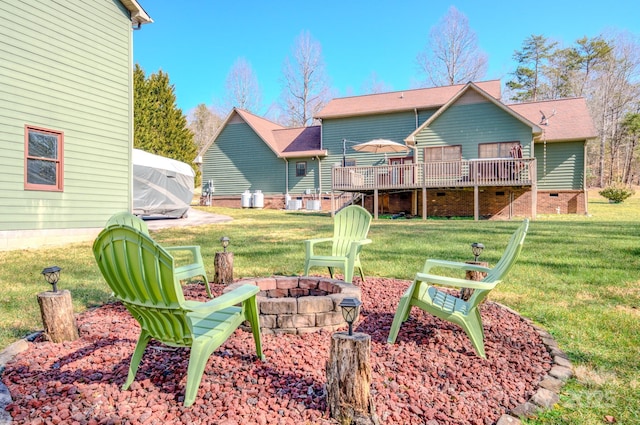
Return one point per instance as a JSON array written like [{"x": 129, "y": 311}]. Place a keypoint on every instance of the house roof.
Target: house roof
[
  {"x": 566, "y": 120},
  {"x": 284, "y": 142},
  {"x": 138, "y": 14},
  {"x": 560, "y": 120},
  {"x": 299, "y": 142},
  {"x": 398, "y": 101},
  {"x": 483, "y": 94}
]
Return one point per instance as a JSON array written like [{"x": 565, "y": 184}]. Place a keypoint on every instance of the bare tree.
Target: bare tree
[
  {"x": 451, "y": 55},
  {"x": 374, "y": 85},
  {"x": 242, "y": 88},
  {"x": 204, "y": 123},
  {"x": 614, "y": 93},
  {"x": 631, "y": 129},
  {"x": 306, "y": 88}
]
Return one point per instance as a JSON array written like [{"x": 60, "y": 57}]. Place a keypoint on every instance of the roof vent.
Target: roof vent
[{"x": 402, "y": 95}]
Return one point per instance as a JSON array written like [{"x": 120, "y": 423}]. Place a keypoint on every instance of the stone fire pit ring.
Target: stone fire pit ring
[{"x": 299, "y": 304}]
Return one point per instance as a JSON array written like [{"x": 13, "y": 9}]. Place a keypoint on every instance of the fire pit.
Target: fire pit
[{"x": 299, "y": 305}]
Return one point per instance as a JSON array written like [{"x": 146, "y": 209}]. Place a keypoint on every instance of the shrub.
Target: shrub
[{"x": 616, "y": 193}]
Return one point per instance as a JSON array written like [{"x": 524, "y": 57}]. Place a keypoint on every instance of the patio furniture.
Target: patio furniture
[
  {"x": 193, "y": 267},
  {"x": 350, "y": 229},
  {"x": 424, "y": 293},
  {"x": 142, "y": 276}
]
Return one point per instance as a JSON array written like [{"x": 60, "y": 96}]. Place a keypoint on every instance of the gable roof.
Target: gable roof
[
  {"x": 566, "y": 119},
  {"x": 398, "y": 101},
  {"x": 483, "y": 94},
  {"x": 284, "y": 142}
]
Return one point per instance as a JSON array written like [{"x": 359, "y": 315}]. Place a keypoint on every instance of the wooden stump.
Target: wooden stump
[
  {"x": 349, "y": 379},
  {"x": 58, "y": 320},
  {"x": 223, "y": 263},
  {"x": 465, "y": 293}
]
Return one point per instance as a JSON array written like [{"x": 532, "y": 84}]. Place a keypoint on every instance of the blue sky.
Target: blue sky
[{"x": 197, "y": 41}]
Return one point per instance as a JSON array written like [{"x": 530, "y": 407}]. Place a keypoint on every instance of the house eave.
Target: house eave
[
  {"x": 304, "y": 154},
  {"x": 138, "y": 15},
  {"x": 379, "y": 112}
]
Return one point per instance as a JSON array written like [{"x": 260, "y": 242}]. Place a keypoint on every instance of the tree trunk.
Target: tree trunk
[
  {"x": 223, "y": 263},
  {"x": 58, "y": 320},
  {"x": 465, "y": 293},
  {"x": 349, "y": 379}
]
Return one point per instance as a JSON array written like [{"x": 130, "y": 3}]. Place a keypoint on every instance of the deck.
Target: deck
[{"x": 473, "y": 173}]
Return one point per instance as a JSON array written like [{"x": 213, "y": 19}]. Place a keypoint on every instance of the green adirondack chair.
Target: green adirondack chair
[
  {"x": 424, "y": 293},
  {"x": 350, "y": 229},
  {"x": 142, "y": 275},
  {"x": 193, "y": 268}
]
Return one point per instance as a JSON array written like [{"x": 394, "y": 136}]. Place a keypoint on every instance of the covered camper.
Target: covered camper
[{"x": 161, "y": 186}]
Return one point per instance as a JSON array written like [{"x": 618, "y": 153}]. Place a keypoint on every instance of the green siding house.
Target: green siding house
[
  {"x": 465, "y": 154},
  {"x": 65, "y": 117}
]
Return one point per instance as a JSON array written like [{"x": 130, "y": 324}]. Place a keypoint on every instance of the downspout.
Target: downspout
[
  {"x": 415, "y": 111},
  {"x": 319, "y": 179},
  {"x": 286, "y": 177}
]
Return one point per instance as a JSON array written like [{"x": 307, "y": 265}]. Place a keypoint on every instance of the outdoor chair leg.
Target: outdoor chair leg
[{"x": 143, "y": 340}]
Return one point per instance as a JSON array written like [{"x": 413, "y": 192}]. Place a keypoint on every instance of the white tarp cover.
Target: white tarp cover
[{"x": 161, "y": 186}]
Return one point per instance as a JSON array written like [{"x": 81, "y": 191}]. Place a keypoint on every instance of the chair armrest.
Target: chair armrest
[
  {"x": 310, "y": 243},
  {"x": 355, "y": 246},
  {"x": 194, "y": 249},
  {"x": 431, "y": 263},
  {"x": 454, "y": 281},
  {"x": 229, "y": 299}
]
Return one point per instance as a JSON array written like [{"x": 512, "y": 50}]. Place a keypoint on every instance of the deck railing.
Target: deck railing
[{"x": 464, "y": 173}]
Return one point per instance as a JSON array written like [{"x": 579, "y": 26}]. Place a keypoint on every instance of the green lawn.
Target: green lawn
[{"x": 578, "y": 276}]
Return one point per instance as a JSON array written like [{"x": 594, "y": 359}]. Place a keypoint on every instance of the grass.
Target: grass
[{"x": 577, "y": 277}]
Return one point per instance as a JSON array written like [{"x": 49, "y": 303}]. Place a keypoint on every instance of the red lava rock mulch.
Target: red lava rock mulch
[{"x": 431, "y": 375}]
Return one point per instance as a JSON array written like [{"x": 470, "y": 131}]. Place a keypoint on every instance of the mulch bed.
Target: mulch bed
[{"x": 430, "y": 376}]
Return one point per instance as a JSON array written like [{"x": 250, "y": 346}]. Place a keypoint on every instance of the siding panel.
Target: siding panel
[
  {"x": 471, "y": 124},
  {"x": 241, "y": 161},
  {"x": 66, "y": 66},
  {"x": 560, "y": 165}
]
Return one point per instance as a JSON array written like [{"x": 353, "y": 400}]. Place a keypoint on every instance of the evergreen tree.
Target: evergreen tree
[
  {"x": 534, "y": 56},
  {"x": 159, "y": 126}
]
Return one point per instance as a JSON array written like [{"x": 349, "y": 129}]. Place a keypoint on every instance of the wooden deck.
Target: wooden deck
[{"x": 473, "y": 173}]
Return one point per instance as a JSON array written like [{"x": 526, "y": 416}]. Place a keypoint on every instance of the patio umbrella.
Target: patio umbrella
[{"x": 380, "y": 146}]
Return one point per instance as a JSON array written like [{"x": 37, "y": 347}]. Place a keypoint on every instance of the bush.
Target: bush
[{"x": 616, "y": 193}]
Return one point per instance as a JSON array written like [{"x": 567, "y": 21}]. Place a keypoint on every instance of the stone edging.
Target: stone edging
[
  {"x": 544, "y": 398},
  {"x": 551, "y": 384}
]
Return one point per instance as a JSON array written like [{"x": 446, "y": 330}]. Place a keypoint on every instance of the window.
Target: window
[
  {"x": 443, "y": 153},
  {"x": 496, "y": 150},
  {"x": 443, "y": 161},
  {"x": 43, "y": 159},
  {"x": 301, "y": 169},
  {"x": 349, "y": 162}
]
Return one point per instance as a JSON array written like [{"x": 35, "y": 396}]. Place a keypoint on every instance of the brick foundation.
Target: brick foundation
[
  {"x": 299, "y": 305},
  {"x": 495, "y": 202},
  {"x": 562, "y": 202}
]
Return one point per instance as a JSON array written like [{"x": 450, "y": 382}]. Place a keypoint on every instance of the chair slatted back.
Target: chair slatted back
[
  {"x": 350, "y": 224},
  {"x": 141, "y": 275},
  {"x": 129, "y": 219},
  {"x": 506, "y": 262}
]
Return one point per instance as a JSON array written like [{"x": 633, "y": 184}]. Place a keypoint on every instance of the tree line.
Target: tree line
[{"x": 605, "y": 70}]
